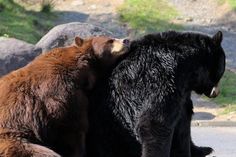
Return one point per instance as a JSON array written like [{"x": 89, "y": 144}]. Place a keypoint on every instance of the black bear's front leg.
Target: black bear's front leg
[
  {"x": 155, "y": 137},
  {"x": 181, "y": 137}
]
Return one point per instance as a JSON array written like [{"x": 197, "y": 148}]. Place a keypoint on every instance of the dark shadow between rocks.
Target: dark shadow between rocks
[{"x": 70, "y": 16}]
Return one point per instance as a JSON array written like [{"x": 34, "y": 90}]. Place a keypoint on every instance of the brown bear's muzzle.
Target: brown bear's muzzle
[{"x": 120, "y": 46}]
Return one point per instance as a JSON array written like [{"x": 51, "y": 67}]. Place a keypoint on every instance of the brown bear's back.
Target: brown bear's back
[{"x": 33, "y": 95}]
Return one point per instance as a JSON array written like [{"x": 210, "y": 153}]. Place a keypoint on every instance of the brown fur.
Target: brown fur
[{"x": 44, "y": 104}]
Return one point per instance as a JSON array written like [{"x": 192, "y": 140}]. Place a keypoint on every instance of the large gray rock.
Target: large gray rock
[
  {"x": 63, "y": 35},
  {"x": 15, "y": 54}
]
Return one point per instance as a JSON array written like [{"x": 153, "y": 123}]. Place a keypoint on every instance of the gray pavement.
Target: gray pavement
[{"x": 221, "y": 139}]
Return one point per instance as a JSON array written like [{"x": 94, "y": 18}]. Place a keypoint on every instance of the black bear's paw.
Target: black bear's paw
[{"x": 201, "y": 151}]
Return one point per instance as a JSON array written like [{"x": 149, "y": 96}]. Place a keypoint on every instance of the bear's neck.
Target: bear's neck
[{"x": 188, "y": 67}]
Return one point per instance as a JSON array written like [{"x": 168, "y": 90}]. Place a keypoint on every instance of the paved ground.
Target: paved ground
[{"x": 221, "y": 139}]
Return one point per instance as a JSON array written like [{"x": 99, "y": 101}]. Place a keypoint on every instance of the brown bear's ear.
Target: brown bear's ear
[
  {"x": 217, "y": 38},
  {"x": 78, "y": 41}
]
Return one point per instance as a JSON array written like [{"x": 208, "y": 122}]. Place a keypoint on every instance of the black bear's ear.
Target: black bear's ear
[
  {"x": 78, "y": 41},
  {"x": 217, "y": 38}
]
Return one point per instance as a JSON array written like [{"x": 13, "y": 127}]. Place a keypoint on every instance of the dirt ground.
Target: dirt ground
[
  {"x": 208, "y": 110},
  {"x": 196, "y": 15},
  {"x": 97, "y": 12}
]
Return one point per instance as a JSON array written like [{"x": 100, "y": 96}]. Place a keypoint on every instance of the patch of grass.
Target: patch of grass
[
  {"x": 19, "y": 23},
  {"x": 221, "y": 2},
  {"x": 232, "y": 3},
  {"x": 229, "y": 109},
  {"x": 227, "y": 97},
  {"x": 148, "y": 16}
]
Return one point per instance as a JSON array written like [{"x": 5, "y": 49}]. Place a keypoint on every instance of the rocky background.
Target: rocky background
[{"x": 16, "y": 53}]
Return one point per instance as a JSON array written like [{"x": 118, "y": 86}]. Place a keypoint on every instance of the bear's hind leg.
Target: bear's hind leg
[
  {"x": 197, "y": 151},
  {"x": 182, "y": 144},
  {"x": 18, "y": 148},
  {"x": 40, "y": 151}
]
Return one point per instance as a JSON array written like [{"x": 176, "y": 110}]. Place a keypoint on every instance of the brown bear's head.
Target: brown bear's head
[{"x": 107, "y": 50}]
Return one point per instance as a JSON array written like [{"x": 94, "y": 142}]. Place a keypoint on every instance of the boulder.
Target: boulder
[
  {"x": 15, "y": 54},
  {"x": 63, "y": 35}
]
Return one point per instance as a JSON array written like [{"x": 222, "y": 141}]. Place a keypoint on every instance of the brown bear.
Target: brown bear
[{"x": 43, "y": 106}]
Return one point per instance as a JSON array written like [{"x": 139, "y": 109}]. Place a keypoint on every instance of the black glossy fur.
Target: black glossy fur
[
  {"x": 145, "y": 108},
  {"x": 182, "y": 137}
]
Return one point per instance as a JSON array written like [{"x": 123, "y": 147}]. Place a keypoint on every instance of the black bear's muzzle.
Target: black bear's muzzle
[{"x": 215, "y": 91}]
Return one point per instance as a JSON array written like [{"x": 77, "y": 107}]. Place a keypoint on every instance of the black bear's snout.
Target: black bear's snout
[{"x": 213, "y": 92}]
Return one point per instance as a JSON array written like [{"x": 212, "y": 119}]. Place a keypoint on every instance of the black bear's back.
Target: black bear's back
[{"x": 117, "y": 102}]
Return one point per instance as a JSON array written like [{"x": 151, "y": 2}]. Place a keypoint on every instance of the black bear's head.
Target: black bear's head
[{"x": 209, "y": 75}]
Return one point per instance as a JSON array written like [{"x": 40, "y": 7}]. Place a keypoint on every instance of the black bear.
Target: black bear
[{"x": 145, "y": 108}]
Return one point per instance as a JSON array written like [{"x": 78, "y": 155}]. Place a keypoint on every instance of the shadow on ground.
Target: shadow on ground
[{"x": 203, "y": 116}]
